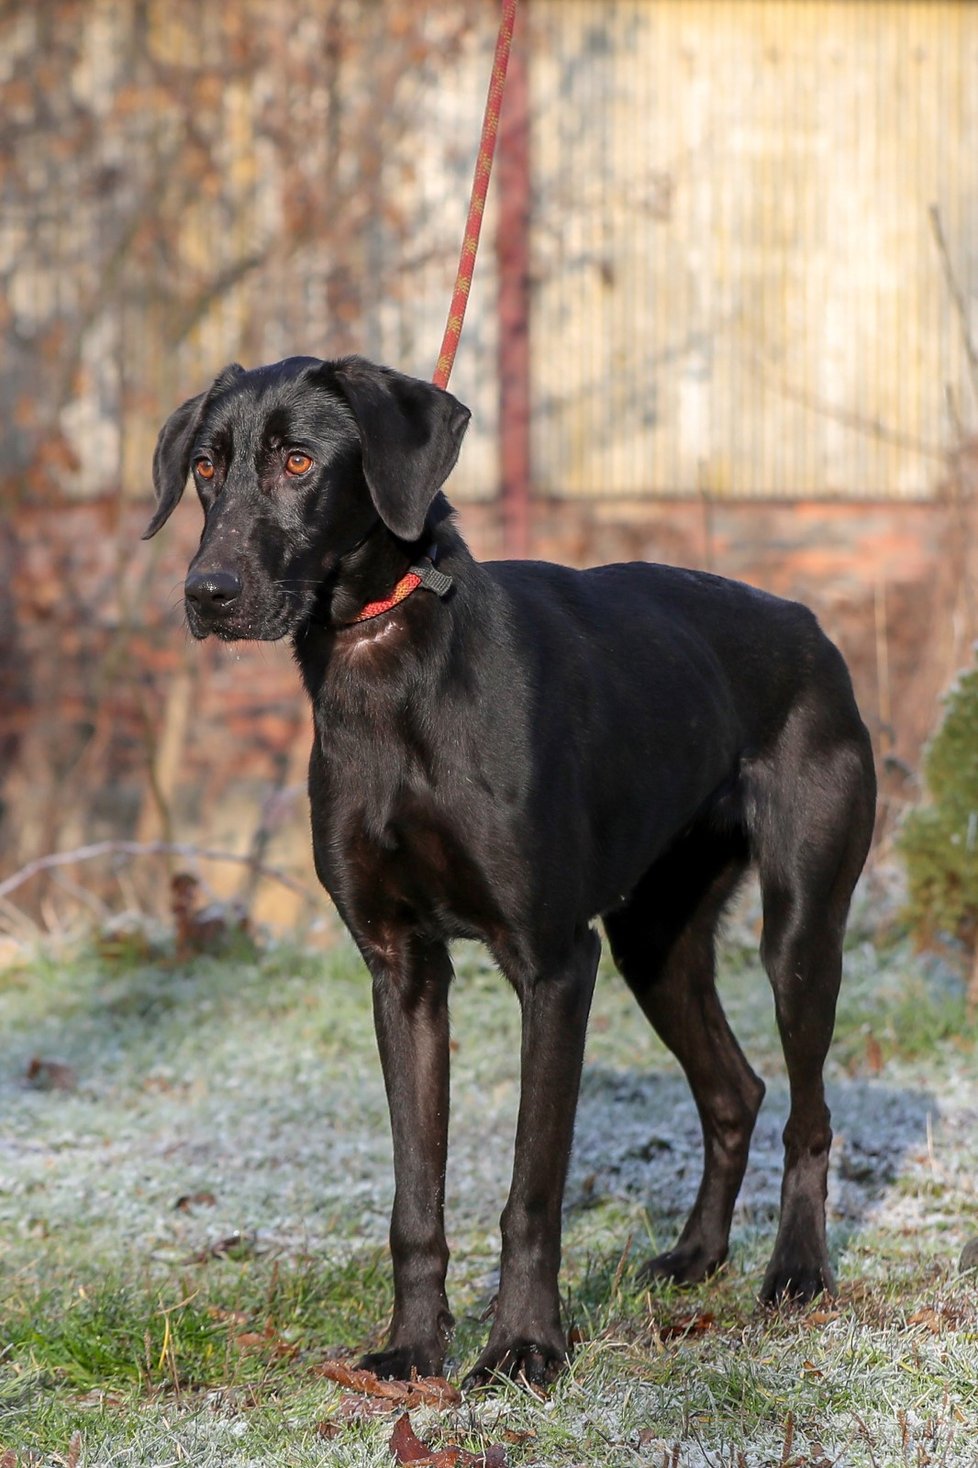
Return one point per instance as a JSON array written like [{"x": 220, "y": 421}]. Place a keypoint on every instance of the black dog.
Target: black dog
[{"x": 507, "y": 752}]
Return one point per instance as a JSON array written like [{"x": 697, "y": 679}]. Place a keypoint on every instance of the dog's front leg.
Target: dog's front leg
[
  {"x": 411, "y": 1020},
  {"x": 527, "y": 1338}
]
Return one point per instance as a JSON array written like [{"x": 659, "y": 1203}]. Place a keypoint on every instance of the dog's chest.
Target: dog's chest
[
  {"x": 420, "y": 870},
  {"x": 398, "y": 844}
]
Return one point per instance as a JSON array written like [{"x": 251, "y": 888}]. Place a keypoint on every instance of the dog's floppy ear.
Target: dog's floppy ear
[
  {"x": 410, "y": 435},
  {"x": 171, "y": 459}
]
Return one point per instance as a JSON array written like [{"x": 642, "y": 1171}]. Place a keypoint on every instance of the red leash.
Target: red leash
[
  {"x": 425, "y": 574},
  {"x": 477, "y": 202}
]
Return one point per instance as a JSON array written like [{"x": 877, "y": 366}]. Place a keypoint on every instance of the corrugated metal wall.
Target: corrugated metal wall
[{"x": 737, "y": 287}]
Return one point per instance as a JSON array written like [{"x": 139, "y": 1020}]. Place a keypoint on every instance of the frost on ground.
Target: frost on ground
[{"x": 156, "y": 1117}]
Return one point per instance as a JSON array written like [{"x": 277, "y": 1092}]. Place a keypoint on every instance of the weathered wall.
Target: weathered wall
[{"x": 185, "y": 183}]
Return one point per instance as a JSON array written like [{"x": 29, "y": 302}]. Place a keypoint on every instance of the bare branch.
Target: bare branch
[
  {"x": 147, "y": 848},
  {"x": 956, "y": 294}
]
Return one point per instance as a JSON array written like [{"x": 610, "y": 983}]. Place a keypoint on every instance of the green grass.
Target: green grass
[{"x": 129, "y": 1334}]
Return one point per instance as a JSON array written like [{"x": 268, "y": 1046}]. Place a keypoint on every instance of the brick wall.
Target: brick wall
[{"x": 116, "y": 724}]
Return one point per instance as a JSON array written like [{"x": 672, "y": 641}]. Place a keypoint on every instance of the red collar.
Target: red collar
[{"x": 423, "y": 574}]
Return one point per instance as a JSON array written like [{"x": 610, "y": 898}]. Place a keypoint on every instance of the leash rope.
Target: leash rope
[
  {"x": 477, "y": 201},
  {"x": 424, "y": 573}
]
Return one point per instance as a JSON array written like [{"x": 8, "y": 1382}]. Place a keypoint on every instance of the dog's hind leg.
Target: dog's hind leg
[
  {"x": 813, "y": 818},
  {"x": 663, "y": 943}
]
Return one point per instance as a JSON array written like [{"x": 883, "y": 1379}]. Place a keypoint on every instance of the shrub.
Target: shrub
[{"x": 939, "y": 838}]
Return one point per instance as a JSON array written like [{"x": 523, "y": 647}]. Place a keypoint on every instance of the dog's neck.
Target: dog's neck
[
  {"x": 361, "y": 601},
  {"x": 421, "y": 575},
  {"x": 379, "y": 570}
]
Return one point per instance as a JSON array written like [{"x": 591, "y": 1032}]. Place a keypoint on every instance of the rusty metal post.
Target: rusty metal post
[{"x": 513, "y": 265}]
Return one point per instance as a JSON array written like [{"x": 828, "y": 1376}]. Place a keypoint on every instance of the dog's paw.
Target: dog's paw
[
  {"x": 796, "y": 1284},
  {"x": 686, "y": 1264},
  {"x": 533, "y": 1363},
  {"x": 400, "y": 1363}
]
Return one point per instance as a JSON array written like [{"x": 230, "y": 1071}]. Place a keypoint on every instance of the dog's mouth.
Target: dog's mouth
[{"x": 242, "y": 624}]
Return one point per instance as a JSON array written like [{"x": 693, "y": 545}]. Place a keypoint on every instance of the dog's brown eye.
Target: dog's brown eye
[
  {"x": 298, "y": 463},
  {"x": 204, "y": 468}
]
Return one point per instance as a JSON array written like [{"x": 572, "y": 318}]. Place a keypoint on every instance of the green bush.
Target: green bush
[{"x": 939, "y": 838}]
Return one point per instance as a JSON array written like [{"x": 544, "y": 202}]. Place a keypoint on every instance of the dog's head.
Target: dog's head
[{"x": 294, "y": 464}]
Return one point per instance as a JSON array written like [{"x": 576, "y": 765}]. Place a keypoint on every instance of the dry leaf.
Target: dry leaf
[
  {"x": 239, "y": 1245},
  {"x": 268, "y": 1339},
  {"x": 187, "y": 1201},
  {"x": 874, "y": 1054},
  {"x": 927, "y": 1317},
  {"x": 407, "y": 1447},
  {"x": 685, "y": 1325},
  {"x": 51, "y": 1075},
  {"x": 233, "y": 1317},
  {"x": 201, "y": 929},
  {"x": 422, "y": 1391}
]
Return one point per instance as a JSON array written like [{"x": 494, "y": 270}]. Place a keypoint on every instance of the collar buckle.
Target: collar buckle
[{"x": 431, "y": 578}]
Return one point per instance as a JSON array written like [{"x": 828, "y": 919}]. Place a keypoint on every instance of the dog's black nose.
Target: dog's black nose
[{"x": 212, "y": 592}]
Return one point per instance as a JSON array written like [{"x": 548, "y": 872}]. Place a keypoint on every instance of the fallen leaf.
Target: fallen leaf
[
  {"x": 647, "y": 1436},
  {"x": 235, "y": 1246},
  {"x": 926, "y": 1317},
  {"x": 353, "y": 1408},
  {"x": 187, "y": 1201},
  {"x": 874, "y": 1054},
  {"x": 51, "y": 1075},
  {"x": 268, "y": 1339},
  {"x": 685, "y": 1325},
  {"x": 201, "y": 929},
  {"x": 407, "y": 1447},
  {"x": 356, "y": 1379},
  {"x": 95, "y": 1398},
  {"x": 233, "y": 1317},
  {"x": 421, "y": 1391}
]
